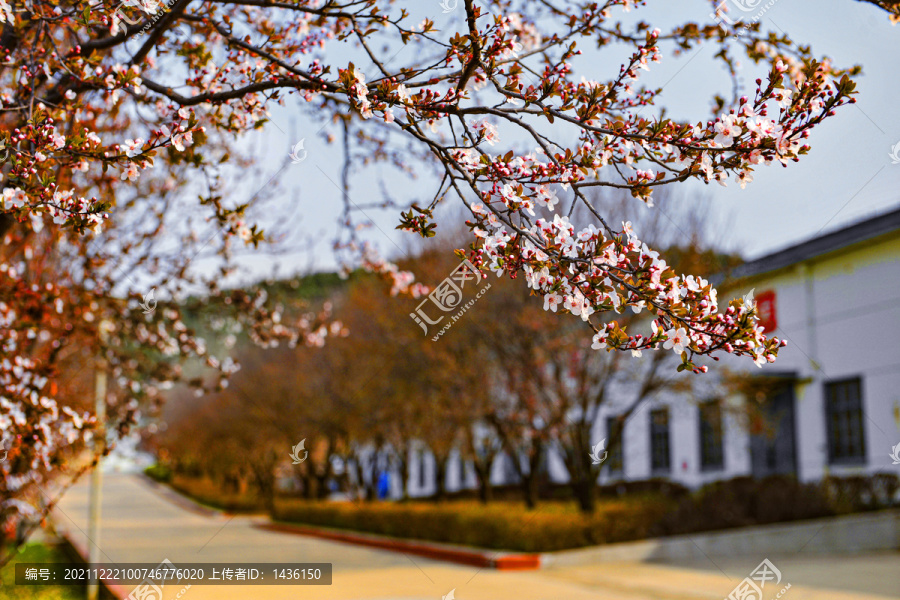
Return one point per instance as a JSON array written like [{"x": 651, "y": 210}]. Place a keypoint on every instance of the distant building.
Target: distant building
[{"x": 836, "y": 300}]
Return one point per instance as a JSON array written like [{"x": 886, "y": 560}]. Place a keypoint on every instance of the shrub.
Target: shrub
[
  {"x": 627, "y": 511},
  {"x": 563, "y": 491},
  {"x": 746, "y": 501},
  {"x": 859, "y": 493},
  {"x": 659, "y": 487},
  {"x": 886, "y": 487},
  {"x": 207, "y": 492},
  {"x": 159, "y": 472},
  {"x": 502, "y": 526}
]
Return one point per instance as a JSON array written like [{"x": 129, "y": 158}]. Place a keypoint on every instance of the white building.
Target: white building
[{"x": 836, "y": 300}]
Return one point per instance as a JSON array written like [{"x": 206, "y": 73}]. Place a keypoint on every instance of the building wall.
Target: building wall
[{"x": 841, "y": 317}]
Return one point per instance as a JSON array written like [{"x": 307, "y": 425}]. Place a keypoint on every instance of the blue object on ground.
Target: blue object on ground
[{"x": 384, "y": 485}]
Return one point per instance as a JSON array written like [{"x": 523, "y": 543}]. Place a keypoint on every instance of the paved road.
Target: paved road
[{"x": 142, "y": 524}]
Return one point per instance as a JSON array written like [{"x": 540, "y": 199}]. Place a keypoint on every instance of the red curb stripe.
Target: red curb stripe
[
  {"x": 518, "y": 562},
  {"x": 507, "y": 562}
]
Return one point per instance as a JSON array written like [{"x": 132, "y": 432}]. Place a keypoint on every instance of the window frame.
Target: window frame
[
  {"x": 657, "y": 435},
  {"x": 615, "y": 463},
  {"x": 704, "y": 426},
  {"x": 829, "y": 389}
]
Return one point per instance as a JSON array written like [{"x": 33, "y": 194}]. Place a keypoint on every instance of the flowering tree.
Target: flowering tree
[
  {"x": 592, "y": 383},
  {"x": 892, "y": 7},
  {"x": 80, "y": 275},
  {"x": 110, "y": 113}
]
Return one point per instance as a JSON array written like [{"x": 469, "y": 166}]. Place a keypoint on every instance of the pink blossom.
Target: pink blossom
[
  {"x": 551, "y": 301},
  {"x": 546, "y": 197},
  {"x": 488, "y": 132},
  {"x": 726, "y": 128},
  {"x": 677, "y": 341}
]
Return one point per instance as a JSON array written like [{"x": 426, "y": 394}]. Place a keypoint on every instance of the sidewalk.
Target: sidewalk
[{"x": 141, "y": 525}]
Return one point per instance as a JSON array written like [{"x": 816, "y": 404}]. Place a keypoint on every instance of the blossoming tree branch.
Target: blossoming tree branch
[
  {"x": 508, "y": 70},
  {"x": 111, "y": 111},
  {"x": 530, "y": 85}
]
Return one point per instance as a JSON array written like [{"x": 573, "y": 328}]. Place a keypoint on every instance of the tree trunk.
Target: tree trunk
[
  {"x": 307, "y": 480},
  {"x": 530, "y": 482},
  {"x": 372, "y": 485},
  {"x": 483, "y": 474},
  {"x": 323, "y": 472},
  {"x": 265, "y": 483},
  {"x": 440, "y": 476},
  {"x": 360, "y": 482},
  {"x": 322, "y": 484},
  {"x": 483, "y": 456},
  {"x": 584, "y": 479},
  {"x": 585, "y": 490},
  {"x": 529, "y": 490},
  {"x": 269, "y": 498},
  {"x": 403, "y": 457}
]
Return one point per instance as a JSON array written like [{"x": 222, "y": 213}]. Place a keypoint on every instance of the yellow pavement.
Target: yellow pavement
[{"x": 142, "y": 525}]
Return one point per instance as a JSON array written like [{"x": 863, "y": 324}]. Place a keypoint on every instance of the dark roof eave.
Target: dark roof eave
[{"x": 854, "y": 234}]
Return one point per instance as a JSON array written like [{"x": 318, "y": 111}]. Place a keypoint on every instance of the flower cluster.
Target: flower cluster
[
  {"x": 402, "y": 282},
  {"x": 587, "y": 273}
]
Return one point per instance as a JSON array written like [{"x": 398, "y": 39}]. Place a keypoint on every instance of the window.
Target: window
[
  {"x": 846, "y": 439},
  {"x": 615, "y": 441},
  {"x": 659, "y": 439},
  {"x": 711, "y": 454}
]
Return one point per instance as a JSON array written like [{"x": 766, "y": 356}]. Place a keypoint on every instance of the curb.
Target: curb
[{"x": 498, "y": 560}]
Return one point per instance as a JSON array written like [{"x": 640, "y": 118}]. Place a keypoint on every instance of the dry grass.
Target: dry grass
[
  {"x": 209, "y": 493},
  {"x": 500, "y": 525}
]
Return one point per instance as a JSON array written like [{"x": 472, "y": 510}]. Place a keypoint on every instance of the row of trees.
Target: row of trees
[{"x": 516, "y": 385}]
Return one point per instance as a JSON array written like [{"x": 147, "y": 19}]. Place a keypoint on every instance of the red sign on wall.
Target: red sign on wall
[{"x": 765, "y": 306}]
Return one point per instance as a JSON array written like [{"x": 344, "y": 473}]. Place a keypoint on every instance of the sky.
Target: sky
[{"x": 847, "y": 176}]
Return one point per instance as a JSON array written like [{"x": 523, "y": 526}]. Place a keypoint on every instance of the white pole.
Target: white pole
[{"x": 99, "y": 446}]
